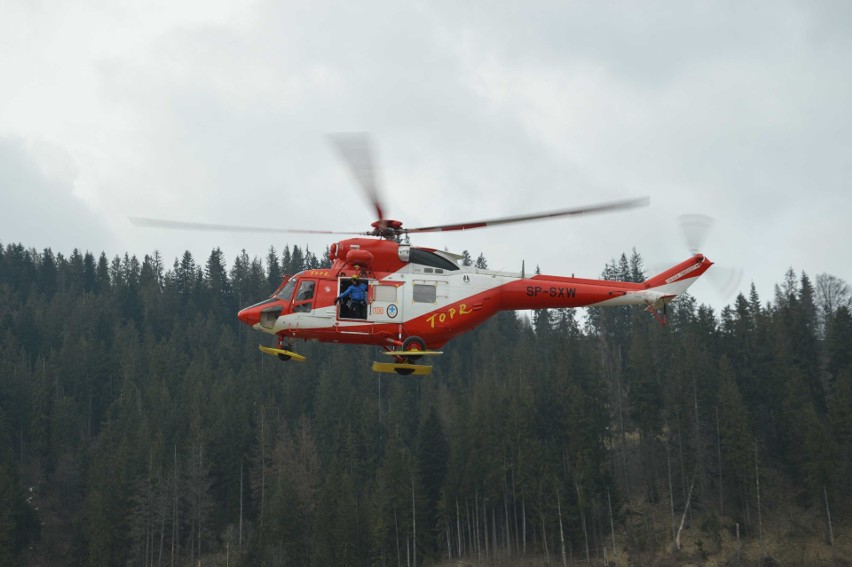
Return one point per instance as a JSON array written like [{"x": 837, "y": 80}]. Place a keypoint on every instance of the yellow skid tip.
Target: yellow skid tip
[
  {"x": 280, "y": 353},
  {"x": 413, "y": 352},
  {"x": 401, "y": 368}
]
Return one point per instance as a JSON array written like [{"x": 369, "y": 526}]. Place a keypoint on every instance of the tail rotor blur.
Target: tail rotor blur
[{"x": 696, "y": 229}]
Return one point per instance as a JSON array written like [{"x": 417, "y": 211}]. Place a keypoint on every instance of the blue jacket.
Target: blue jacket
[{"x": 358, "y": 292}]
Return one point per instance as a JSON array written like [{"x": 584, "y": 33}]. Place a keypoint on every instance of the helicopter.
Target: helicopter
[{"x": 416, "y": 299}]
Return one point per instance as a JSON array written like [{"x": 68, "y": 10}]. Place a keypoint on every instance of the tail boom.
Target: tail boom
[{"x": 541, "y": 291}]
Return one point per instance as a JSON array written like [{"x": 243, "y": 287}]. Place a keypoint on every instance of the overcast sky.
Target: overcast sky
[{"x": 217, "y": 111}]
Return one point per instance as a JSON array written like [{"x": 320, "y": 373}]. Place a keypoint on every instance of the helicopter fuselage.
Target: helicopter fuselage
[{"x": 427, "y": 293}]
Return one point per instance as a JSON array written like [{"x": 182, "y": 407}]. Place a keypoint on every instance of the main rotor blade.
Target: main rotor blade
[
  {"x": 602, "y": 208},
  {"x": 357, "y": 151},
  {"x": 183, "y": 225}
]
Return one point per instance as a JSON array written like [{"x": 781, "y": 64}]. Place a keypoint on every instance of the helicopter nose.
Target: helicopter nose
[
  {"x": 250, "y": 315},
  {"x": 264, "y": 313}
]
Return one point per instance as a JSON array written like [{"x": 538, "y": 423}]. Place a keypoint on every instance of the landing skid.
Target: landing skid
[
  {"x": 403, "y": 364},
  {"x": 281, "y": 353},
  {"x": 402, "y": 368},
  {"x": 413, "y": 353}
]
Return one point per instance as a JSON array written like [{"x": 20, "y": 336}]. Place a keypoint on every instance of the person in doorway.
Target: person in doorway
[{"x": 357, "y": 294}]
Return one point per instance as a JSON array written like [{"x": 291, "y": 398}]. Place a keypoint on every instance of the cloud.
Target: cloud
[
  {"x": 217, "y": 112},
  {"x": 38, "y": 206}
]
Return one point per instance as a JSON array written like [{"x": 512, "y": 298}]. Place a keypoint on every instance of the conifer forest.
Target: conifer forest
[{"x": 140, "y": 425}]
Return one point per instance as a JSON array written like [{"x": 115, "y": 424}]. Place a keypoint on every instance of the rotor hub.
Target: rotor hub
[{"x": 387, "y": 228}]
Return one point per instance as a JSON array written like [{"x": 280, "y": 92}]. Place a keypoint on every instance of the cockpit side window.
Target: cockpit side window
[
  {"x": 303, "y": 302},
  {"x": 287, "y": 291},
  {"x": 306, "y": 291}
]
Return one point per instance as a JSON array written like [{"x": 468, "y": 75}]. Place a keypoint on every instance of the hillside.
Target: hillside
[{"x": 140, "y": 425}]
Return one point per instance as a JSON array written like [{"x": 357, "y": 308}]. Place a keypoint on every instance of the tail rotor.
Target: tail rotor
[{"x": 696, "y": 229}]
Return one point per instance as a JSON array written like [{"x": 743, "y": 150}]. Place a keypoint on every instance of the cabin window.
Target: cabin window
[
  {"x": 425, "y": 293},
  {"x": 426, "y": 258},
  {"x": 386, "y": 293}
]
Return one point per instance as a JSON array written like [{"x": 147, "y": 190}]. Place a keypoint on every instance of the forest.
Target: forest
[{"x": 140, "y": 425}]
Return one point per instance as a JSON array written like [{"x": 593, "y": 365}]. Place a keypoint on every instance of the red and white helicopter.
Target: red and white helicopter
[{"x": 417, "y": 298}]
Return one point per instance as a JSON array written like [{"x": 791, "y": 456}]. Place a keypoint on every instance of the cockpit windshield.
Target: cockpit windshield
[{"x": 286, "y": 292}]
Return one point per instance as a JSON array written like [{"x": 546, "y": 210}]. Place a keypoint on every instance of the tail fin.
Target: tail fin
[{"x": 676, "y": 280}]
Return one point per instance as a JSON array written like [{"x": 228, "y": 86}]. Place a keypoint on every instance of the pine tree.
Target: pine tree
[
  {"x": 838, "y": 341},
  {"x": 286, "y": 261},
  {"x": 72, "y": 275},
  {"x": 47, "y": 273},
  {"x": 735, "y": 436},
  {"x": 273, "y": 268},
  {"x": 217, "y": 285},
  {"x": 19, "y": 524},
  {"x": 297, "y": 261},
  {"x": 432, "y": 457}
]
